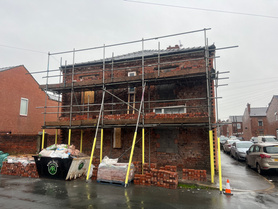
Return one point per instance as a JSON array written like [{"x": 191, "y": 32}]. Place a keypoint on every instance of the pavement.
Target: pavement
[{"x": 241, "y": 178}]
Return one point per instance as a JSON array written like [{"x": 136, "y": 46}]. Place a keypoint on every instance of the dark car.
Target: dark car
[{"x": 223, "y": 139}]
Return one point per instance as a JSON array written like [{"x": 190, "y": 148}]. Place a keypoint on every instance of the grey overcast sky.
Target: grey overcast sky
[{"x": 31, "y": 28}]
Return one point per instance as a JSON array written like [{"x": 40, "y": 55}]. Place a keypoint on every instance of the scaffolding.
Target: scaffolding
[{"x": 109, "y": 73}]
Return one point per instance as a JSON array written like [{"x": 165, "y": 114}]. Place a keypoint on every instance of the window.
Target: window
[
  {"x": 88, "y": 97},
  {"x": 170, "y": 110},
  {"x": 238, "y": 125},
  {"x": 260, "y": 123},
  {"x": 131, "y": 89},
  {"x": 24, "y": 107}
]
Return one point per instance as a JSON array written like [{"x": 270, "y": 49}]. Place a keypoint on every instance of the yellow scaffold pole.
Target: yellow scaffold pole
[
  {"x": 95, "y": 139},
  {"x": 219, "y": 166},
  {"x": 69, "y": 137},
  {"x": 101, "y": 145},
  {"x": 143, "y": 149},
  {"x": 134, "y": 138},
  {"x": 43, "y": 133},
  {"x": 56, "y": 136},
  {"x": 211, "y": 156},
  {"x": 81, "y": 140}
]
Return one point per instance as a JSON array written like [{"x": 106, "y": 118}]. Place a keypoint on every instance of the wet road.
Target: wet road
[
  {"x": 24, "y": 193},
  {"x": 16, "y": 192}
]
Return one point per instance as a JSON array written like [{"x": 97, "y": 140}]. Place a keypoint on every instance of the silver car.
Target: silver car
[
  {"x": 238, "y": 149},
  {"x": 228, "y": 144},
  {"x": 262, "y": 156}
]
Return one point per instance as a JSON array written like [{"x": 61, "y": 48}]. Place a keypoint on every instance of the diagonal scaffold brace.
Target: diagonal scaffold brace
[
  {"x": 134, "y": 137},
  {"x": 95, "y": 138}
]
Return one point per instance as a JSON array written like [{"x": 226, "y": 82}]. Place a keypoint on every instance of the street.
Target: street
[{"x": 249, "y": 189}]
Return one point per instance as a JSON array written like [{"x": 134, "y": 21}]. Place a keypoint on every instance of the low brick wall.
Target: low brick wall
[
  {"x": 18, "y": 169},
  {"x": 23, "y": 143},
  {"x": 194, "y": 175}
]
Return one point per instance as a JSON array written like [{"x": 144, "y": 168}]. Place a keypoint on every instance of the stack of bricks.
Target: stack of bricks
[
  {"x": 194, "y": 175},
  {"x": 95, "y": 170},
  {"x": 18, "y": 169},
  {"x": 158, "y": 177}
]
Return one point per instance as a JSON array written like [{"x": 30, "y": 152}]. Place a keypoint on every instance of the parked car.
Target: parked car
[
  {"x": 238, "y": 149},
  {"x": 254, "y": 139},
  {"x": 223, "y": 139},
  {"x": 262, "y": 156},
  {"x": 228, "y": 144},
  {"x": 267, "y": 139}
]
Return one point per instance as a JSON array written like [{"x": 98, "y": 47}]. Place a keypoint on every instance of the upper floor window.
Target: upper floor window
[
  {"x": 24, "y": 107},
  {"x": 260, "y": 123},
  {"x": 170, "y": 110},
  {"x": 238, "y": 125}
]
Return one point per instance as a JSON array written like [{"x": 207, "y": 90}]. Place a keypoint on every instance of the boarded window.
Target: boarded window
[
  {"x": 167, "y": 140},
  {"x": 117, "y": 142},
  {"x": 88, "y": 97}
]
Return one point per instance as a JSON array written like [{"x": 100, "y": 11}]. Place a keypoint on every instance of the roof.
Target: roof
[
  {"x": 8, "y": 68},
  {"x": 258, "y": 111},
  {"x": 147, "y": 54},
  {"x": 235, "y": 118}
]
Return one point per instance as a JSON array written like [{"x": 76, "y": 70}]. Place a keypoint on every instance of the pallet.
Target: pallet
[{"x": 115, "y": 183}]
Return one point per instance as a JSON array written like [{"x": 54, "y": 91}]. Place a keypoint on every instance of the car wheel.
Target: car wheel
[
  {"x": 259, "y": 170},
  {"x": 246, "y": 161},
  {"x": 236, "y": 156}
]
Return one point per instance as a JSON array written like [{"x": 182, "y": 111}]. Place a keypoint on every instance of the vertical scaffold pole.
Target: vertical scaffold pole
[
  {"x": 81, "y": 140},
  {"x": 103, "y": 81},
  {"x": 43, "y": 133},
  {"x": 56, "y": 136},
  {"x": 45, "y": 102},
  {"x": 143, "y": 109},
  {"x": 95, "y": 139},
  {"x": 209, "y": 109},
  {"x": 134, "y": 138},
  {"x": 71, "y": 95}
]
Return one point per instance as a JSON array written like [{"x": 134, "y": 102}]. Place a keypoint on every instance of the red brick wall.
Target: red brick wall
[
  {"x": 192, "y": 143},
  {"x": 271, "y": 117},
  {"x": 14, "y": 85},
  {"x": 22, "y": 143}
]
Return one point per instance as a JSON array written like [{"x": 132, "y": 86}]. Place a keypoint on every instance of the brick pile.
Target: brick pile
[
  {"x": 158, "y": 177},
  {"x": 95, "y": 170},
  {"x": 194, "y": 175},
  {"x": 18, "y": 169}
]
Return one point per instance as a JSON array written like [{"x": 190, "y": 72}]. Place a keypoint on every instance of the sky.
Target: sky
[{"x": 30, "y": 29}]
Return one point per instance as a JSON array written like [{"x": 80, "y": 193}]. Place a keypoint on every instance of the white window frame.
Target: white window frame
[
  {"x": 131, "y": 90},
  {"x": 169, "y": 107},
  {"x": 27, "y": 103}
]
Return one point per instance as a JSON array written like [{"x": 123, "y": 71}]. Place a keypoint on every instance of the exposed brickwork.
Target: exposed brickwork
[
  {"x": 17, "y": 169},
  {"x": 21, "y": 144},
  {"x": 191, "y": 153},
  {"x": 194, "y": 175},
  {"x": 272, "y": 117}
]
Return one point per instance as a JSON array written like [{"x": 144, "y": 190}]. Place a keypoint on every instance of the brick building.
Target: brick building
[
  {"x": 20, "y": 96},
  {"x": 272, "y": 116},
  {"x": 254, "y": 122},
  {"x": 235, "y": 126},
  {"x": 172, "y": 86}
]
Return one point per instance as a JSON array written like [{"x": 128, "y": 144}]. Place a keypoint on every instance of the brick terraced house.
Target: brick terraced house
[
  {"x": 177, "y": 106},
  {"x": 21, "y": 120}
]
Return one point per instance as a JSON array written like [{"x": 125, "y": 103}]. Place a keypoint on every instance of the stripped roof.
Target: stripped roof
[
  {"x": 258, "y": 111},
  {"x": 147, "y": 53}
]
